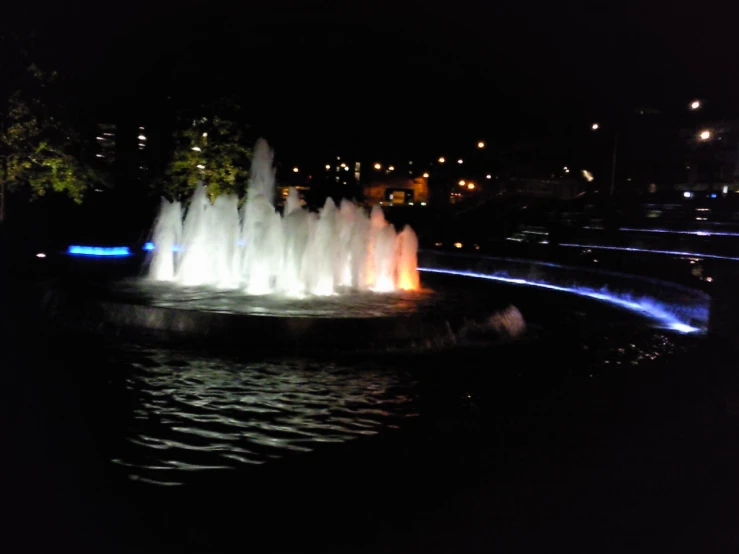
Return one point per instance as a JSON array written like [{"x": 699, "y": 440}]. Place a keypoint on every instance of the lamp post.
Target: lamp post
[{"x": 595, "y": 127}]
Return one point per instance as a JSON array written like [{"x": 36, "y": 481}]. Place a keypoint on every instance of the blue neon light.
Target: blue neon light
[
  {"x": 100, "y": 251},
  {"x": 678, "y": 232},
  {"x": 644, "y": 306},
  {"x": 651, "y": 251}
]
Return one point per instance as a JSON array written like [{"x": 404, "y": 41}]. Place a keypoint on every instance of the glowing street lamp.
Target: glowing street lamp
[
  {"x": 470, "y": 186},
  {"x": 295, "y": 170},
  {"x": 442, "y": 160},
  {"x": 695, "y": 105},
  {"x": 460, "y": 161},
  {"x": 481, "y": 144},
  {"x": 425, "y": 175},
  {"x": 462, "y": 183},
  {"x": 391, "y": 168},
  {"x": 377, "y": 166},
  {"x": 328, "y": 167},
  {"x": 488, "y": 176},
  {"x": 595, "y": 126},
  {"x": 705, "y": 135}
]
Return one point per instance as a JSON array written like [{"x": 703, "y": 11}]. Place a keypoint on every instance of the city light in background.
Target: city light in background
[
  {"x": 462, "y": 183},
  {"x": 460, "y": 161},
  {"x": 471, "y": 186},
  {"x": 425, "y": 175},
  {"x": 442, "y": 160},
  {"x": 705, "y": 134},
  {"x": 328, "y": 167},
  {"x": 588, "y": 176},
  {"x": 377, "y": 166},
  {"x": 295, "y": 170},
  {"x": 481, "y": 144},
  {"x": 488, "y": 176},
  {"x": 695, "y": 105},
  {"x": 595, "y": 126}
]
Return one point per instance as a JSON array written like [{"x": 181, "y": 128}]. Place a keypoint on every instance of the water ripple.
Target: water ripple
[{"x": 199, "y": 414}]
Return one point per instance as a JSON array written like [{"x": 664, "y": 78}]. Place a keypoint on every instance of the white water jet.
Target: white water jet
[{"x": 297, "y": 253}]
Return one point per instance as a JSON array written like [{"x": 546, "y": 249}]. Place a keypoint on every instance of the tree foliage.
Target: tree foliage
[
  {"x": 37, "y": 148},
  {"x": 209, "y": 149}
]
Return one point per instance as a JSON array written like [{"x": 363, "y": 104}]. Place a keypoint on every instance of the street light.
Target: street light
[
  {"x": 425, "y": 175},
  {"x": 295, "y": 170},
  {"x": 470, "y": 186},
  {"x": 705, "y": 135},
  {"x": 695, "y": 105},
  {"x": 328, "y": 167},
  {"x": 460, "y": 161},
  {"x": 462, "y": 183},
  {"x": 377, "y": 166},
  {"x": 481, "y": 144},
  {"x": 442, "y": 160},
  {"x": 595, "y": 127}
]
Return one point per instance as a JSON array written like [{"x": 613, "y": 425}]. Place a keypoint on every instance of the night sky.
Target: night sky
[{"x": 395, "y": 78}]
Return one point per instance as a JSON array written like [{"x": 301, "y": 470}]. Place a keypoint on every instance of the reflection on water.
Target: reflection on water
[{"x": 191, "y": 413}]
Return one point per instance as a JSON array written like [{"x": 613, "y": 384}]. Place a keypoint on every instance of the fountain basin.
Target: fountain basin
[{"x": 458, "y": 290}]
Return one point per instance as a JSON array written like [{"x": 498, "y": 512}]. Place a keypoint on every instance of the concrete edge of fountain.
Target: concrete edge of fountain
[{"x": 74, "y": 309}]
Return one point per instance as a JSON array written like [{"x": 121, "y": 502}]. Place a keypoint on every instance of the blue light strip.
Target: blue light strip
[
  {"x": 100, "y": 251},
  {"x": 650, "y": 251},
  {"x": 644, "y": 306},
  {"x": 678, "y": 232}
]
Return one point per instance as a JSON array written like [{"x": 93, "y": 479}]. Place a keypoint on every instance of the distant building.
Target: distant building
[
  {"x": 105, "y": 143},
  {"x": 396, "y": 190},
  {"x": 342, "y": 172},
  {"x": 122, "y": 151}
]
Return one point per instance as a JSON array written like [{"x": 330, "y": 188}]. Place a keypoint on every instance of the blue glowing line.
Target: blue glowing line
[
  {"x": 643, "y": 306},
  {"x": 598, "y": 271},
  {"x": 678, "y": 232},
  {"x": 650, "y": 251},
  {"x": 99, "y": 251}
]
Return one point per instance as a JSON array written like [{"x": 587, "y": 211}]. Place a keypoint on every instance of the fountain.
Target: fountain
[
  {"x": 233, "y": 272},
  {"x": 257, "y": 250}
]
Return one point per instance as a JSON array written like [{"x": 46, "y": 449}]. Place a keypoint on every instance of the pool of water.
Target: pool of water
[
  {"x": 189, "y": 413},
  {"x": 344, "y": 304},
  {"x": 176, "y": 416}
]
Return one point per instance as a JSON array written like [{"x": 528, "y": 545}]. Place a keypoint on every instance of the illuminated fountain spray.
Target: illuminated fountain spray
[{"x": 296, "y": 253}]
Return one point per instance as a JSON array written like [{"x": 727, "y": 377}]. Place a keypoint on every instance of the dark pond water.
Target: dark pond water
[{"x": 190, "y": 414}]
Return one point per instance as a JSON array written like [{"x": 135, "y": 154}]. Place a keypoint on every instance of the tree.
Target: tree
[
  {"x": 208, "y": 149},
  {"x": 37, "y": 148}
]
